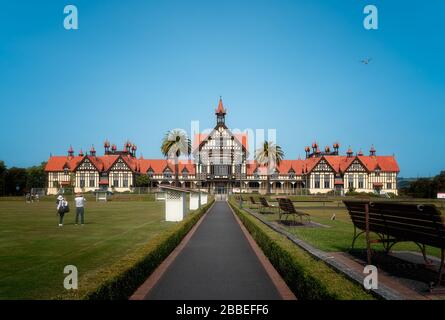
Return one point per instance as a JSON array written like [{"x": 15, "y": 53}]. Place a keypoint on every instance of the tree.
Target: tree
[
  {"x": 427, "y": 187},
  {"x": 2, "y": 178},
  {"x": 16, "y": 181},
  {"x": 175, "y": 144},
  {"x": 36, "y": 176},
  {"x": 142, "y": 180},
  {"x": 269, "y": 155}
]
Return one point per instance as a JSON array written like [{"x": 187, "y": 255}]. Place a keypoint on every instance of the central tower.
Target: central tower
[{"x": 220, "y": 115}]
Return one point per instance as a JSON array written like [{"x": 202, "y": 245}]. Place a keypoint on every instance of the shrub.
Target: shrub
[{"x": 121, "y": 280}]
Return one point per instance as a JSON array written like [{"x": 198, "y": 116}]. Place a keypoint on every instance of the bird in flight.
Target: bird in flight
[{"x": 366, "y": 60}]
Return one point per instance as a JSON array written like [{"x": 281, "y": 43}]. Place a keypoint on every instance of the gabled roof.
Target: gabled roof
[
  {"x": 200, "y": 138},
  {"x": 385, "y": 163},
  {"x": 58, "y": 163}
]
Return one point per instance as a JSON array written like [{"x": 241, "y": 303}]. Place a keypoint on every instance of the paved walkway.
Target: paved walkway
[{"x": 217, "y": 263}]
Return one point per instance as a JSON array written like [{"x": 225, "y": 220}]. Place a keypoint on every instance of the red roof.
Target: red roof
[
  {"x": 339, "y": 163},
  {"x": 220, "y": 108},
  {"x": 58, "y": 163}
]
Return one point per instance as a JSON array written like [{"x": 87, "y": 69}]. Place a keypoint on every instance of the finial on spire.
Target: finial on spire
[{"x": 220, "y": 109}]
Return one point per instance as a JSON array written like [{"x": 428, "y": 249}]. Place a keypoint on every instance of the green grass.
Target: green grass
[
  {"x": 34, "y": 250},
  {"x": 338, "y": 234}
]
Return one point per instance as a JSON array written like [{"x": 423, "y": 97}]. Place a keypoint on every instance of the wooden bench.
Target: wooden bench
[
  {"x": 253, "y": 203},
  {"x": 287, "y": 208},
  {"x": 265, "y": 205},
  {"x": 398, "y": 222}
]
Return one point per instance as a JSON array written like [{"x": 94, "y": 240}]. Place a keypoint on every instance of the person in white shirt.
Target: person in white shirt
[{"x": 80, "y": 208}]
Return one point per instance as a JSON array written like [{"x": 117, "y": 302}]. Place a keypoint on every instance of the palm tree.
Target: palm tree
[
  {"x": 270, "y": 156},
  {"x": 175, "y": 144}
]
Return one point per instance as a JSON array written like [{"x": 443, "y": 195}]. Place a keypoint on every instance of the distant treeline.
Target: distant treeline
[
  {"x": 425, "y": 187},
  {"x": 17, "y": 181}
]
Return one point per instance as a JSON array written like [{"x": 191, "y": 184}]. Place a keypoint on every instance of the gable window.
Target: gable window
[
  {"x": 116, "y": 182},
  {"x": 167, "y": 174},
  {"x": 65, "y": 171},
  {"x": 150, "y": 173},
  {"x": 327, "y": 182},
  {"x": 389, "y": 185},
  {"x": 377, "y": 172},
  {"x": 274, "y": 175},
  {"x": 317, "y": 181},
  {"x": 291, "y": 175},
  {"x": 185, "y": 174}
]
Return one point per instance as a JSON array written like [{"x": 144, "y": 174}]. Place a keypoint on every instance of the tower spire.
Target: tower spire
[{"x": 220, "y": 113}]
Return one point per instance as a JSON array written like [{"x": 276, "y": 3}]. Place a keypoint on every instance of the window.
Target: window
[
  {"x": 92, "y": 181},
  {"x": 185, "y": 174},
  {"x": 291, "y": 175},
  {"x": 389, "y": 185},
  {"x": 377, "y": 172},
  {"x": 327, "y": 184},
  {"x": 361, "y": 182},
  {"x": 167, "y": 174},
  {"x": 220, "y": 170},
  {"x": 55, "y": 184},
  {"x": 274, "y": 175},
  {"x": 116, "y": 183},
  {"x": 317, "y": 181},
  {"x": 350, "y": 182},
  {"x": 82, "y": 180},
  {"x": 125, "y": 181},
  {"x": 150, "y": 173},
  {"x": 66, "y": 171}
]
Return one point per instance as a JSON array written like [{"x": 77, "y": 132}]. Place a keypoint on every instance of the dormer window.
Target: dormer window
[
  {"x": 66, "y": 171},
  {"x": 274, "y": 175},
  {"x": 377, "y": 172},
  {"x": 291, "y": 174},
  {"x": 150, "y": 173},
  {"x": 185, "y": 173},
  {"x": 167, "y": 174}
]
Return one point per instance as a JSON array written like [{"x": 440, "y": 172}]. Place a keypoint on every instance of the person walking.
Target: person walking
[
  {"x": 62, "y": 208},
  {"x": 80, "y": 208}
]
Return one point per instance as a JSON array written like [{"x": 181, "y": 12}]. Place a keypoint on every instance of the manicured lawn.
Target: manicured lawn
[
  {"x": 34, "y": 250},
  {"x": 337, "y": 236}
]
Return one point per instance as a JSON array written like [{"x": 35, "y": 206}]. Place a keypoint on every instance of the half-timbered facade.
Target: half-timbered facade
[{"x": 221, "y": 165}]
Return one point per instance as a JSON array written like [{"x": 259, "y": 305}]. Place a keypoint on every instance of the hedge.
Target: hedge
[
  {"x": 121, "y": 280},
  {"x": 308, "y": 278}
]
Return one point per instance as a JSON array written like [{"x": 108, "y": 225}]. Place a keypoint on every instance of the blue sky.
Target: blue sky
[{"x": 136, "y": 69}]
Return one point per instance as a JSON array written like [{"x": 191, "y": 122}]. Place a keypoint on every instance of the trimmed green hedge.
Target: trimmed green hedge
[
  {"x": 121, "y": 280},
  {"x": 308, "y": 278}
]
